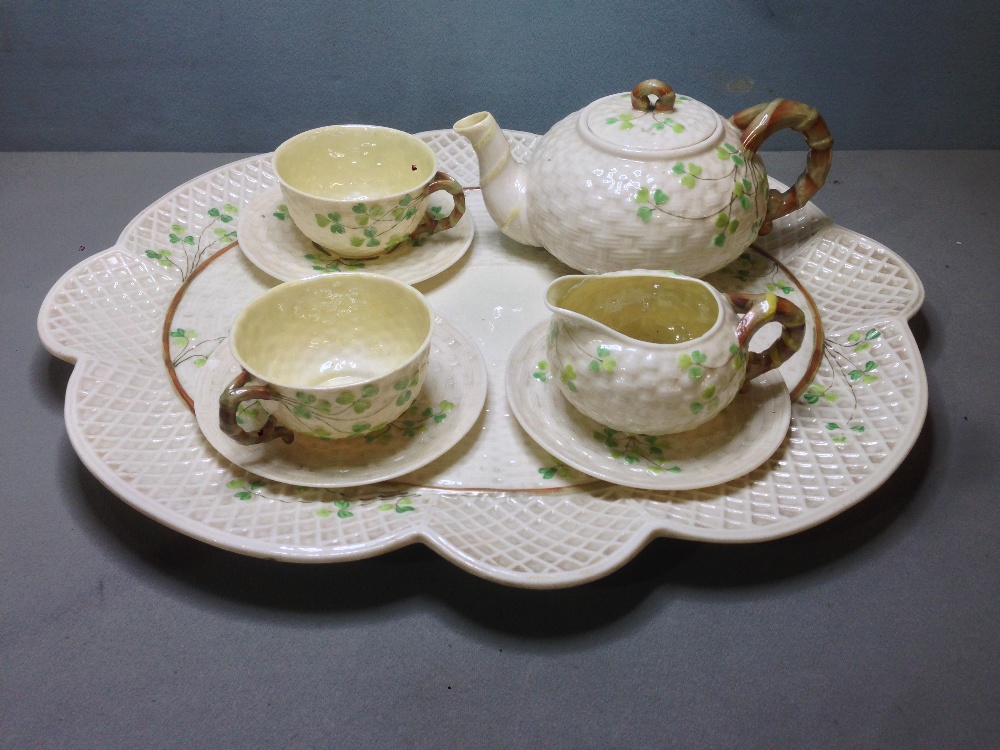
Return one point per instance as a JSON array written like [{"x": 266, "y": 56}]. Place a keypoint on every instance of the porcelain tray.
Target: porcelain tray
[{"x": 140, "y": 318}]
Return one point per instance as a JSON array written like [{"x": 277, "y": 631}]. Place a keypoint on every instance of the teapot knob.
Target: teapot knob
[{"x": 641, "y": 96}]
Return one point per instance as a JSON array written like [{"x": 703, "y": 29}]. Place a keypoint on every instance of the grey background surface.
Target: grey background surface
[
  {"x": 878, "y": 629},
  {"x": 244, "y": 76}
]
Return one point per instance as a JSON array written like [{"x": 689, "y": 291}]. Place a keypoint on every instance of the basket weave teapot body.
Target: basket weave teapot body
[{"x": 645, "y": 179}]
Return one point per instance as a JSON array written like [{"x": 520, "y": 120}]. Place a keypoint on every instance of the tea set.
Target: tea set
[{"x": 643, "y": 192}]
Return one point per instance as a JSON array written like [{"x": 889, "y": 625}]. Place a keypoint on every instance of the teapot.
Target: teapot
[{"x": 647, "y": 179}]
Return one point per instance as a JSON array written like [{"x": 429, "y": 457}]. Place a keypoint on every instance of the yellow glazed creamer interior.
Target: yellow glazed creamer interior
[
  {"x": 354, "y": 162},
  {"x": 310, "y": 336},
  {"x": 655, "y": 309}
]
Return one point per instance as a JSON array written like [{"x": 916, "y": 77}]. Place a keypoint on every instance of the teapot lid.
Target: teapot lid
[{"x": 651, "y": 121}]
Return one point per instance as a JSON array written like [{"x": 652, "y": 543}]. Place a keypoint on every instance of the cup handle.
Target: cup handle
[
  {"x": 429, "y": 224},
  {"x": 762, "y": 121},
  {"x": 235, "y": 394},
  {"x": 761, "y": 309}
]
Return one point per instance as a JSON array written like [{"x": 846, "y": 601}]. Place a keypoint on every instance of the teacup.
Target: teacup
[
  {"x": 361, "y": 190},
  {"x": 654, "y": 352},
  {"x": 329, "y": 356}
]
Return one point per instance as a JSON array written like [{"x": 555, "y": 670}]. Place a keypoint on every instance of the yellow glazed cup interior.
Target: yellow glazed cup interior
[
  {"x": 652, "y": 308},
  {"x": 354, "y": 162},
  {"x": 330, "y": 331}
]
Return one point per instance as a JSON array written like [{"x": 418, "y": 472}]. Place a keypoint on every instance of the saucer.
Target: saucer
[
  {"x": 742, "y": 437},
  {"x": 271, "y": 241},
  {"x": 449, "y": 404}
]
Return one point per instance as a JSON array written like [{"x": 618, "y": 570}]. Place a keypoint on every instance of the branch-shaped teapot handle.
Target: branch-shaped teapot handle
[{"x": 763, "y": 120}]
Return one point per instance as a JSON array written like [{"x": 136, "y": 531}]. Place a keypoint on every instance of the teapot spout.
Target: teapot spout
[{"x": 502, "y": 179}]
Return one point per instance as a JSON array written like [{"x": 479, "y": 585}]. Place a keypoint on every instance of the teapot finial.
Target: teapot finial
[{"x": 641, "y": 96}]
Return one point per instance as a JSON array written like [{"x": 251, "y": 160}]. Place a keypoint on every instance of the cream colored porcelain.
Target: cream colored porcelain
[
  {"x": 330, "y": 357},
  {"x": 447, "y": 407},
  {"x": 272, "y": 242},
  {"x": 745, "y": 434},
  {"x": 645, "y": 179},
  {"x": 497, "y": 505},
  {"x": 361, "y": 190},
  {"x": 658, "y": 353}
]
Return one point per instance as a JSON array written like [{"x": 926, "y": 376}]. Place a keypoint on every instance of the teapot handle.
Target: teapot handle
[
  {"x": 761, "y": 309},
  {"x": 760, "y": 122}
]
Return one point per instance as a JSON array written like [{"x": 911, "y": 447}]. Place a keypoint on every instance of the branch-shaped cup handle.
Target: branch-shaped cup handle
[
  {"x": 238, "y": 392},
  {"x": 429, "y": 224}
]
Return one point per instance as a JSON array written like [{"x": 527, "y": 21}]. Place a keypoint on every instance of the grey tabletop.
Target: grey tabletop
[{"x": 878, "y": 628}]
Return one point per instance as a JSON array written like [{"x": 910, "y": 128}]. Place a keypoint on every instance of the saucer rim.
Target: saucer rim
[
  {"x": 461, "y": 234},
  {"x": 653, "y": 482},
  {"x": 470, "y": 407}
]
